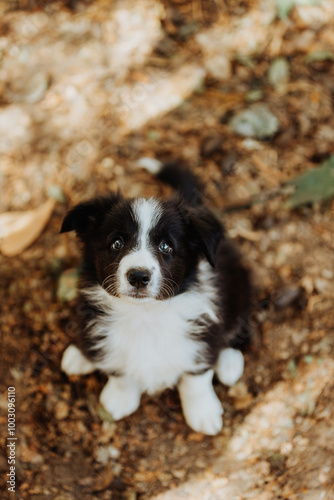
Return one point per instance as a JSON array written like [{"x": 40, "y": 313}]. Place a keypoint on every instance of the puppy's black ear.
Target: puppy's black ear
[
  {"x": 206, "y": 231},
  {"x": 86, "y": 216}
]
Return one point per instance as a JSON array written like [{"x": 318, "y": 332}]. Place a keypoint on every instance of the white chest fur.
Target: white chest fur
[{"x": 154, "y": 342}]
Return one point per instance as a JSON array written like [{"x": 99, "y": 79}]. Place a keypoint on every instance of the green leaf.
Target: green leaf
[
  {"x": 283, "y": 8},
  {"x": 314, "y": 186},
  {"x": 320, "y": 55},
  {"x": 278, "y": 72},
  {"x": 104, "y": 415}
]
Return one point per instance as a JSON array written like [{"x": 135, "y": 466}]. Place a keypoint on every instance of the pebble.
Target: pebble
[
  {"x": 287, "y": 298},
  {"x": 104, "y": 453},
  {"x": 257, "y": 121},
  {"x": 56, "y": 192},
  {"x": 61, "y": 410},
  {"x": 67, "y": 287},
  {"x": 219, "y": 66}
]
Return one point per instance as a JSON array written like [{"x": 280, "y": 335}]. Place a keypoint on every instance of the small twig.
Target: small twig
[
  {"x": 253, "y": 200},
  {"x": 165, "y": 409}
]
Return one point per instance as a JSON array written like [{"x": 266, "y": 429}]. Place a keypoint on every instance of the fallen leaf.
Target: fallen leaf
[
  {"x": 104, "y": 415},
  {"x": 278, "y": 72},
  {"x": 19, "y": 229},
  {"x": 320, "y": 55},
  {"x": 283, "y": 8},
  {"x": 314, "y": 186},
  {"x": 67, "y": 286},
  {"x": 98, "y": 481}
]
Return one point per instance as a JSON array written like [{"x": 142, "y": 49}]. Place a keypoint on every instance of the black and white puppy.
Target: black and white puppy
[{"x": 164, "y": 300}]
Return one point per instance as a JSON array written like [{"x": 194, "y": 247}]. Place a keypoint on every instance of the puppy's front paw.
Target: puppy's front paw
[
  {"x": 201, "y": 407},
  {"x": 204, "y": 415},
  {"x": 120, "y": 397},
  {"x": 75, "y": 363}
]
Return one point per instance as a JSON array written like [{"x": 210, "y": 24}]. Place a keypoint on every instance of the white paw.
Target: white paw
[
  {"x": 204, "y": 414},
  {"x": 230, "y": 366},
  {"x": 75, "y": 363},
  {"x": 120, "y": 397},
  {"x": 201, "y": 407}
]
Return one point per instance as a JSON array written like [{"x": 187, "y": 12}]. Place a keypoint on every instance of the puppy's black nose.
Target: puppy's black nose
[{"x": 138, "y": 277}]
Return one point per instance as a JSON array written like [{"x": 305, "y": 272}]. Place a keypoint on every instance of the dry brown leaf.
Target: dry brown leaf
[
  {"x": 99, "y": 481},
  {"x": 19, "y": 229}
]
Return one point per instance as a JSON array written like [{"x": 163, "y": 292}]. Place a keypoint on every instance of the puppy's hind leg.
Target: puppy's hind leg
[
  {"x": 230, "y": 366},
  {"x": 75, "y": 363}
]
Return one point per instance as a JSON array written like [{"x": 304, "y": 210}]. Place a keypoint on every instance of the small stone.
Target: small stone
[
  {"x": 104, "y": 453},
  {"x": 324, "y": 286},
  {"x": 56, "y": 192},
  {"x": 61, "y": 410},
  {"x": 67, "y": 288},
  {"x": 287, "y": 297},
  {"x": 257, "y": 121},
  {"x": 238, "y": 441},
  {"x": 219, "y": 66},
  {"x": 107, "y": 162}
]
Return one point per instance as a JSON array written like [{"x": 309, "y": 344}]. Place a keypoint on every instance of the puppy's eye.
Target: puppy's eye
[
  {"x": 165, "y": 247},
  {"x": 117, "y": 244}
]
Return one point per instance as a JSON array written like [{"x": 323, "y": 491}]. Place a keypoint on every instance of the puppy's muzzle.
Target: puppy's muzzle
[{"x": 138, "y": 278}]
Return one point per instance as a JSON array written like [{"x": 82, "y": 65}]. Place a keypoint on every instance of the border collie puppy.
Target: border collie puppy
[{"x": 164, "y": 300}]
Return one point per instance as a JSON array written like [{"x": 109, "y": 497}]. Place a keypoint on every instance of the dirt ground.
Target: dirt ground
[{"x": 87, "y": 89}]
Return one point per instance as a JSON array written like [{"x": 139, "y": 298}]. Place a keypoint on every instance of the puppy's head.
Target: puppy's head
[{"x": 143, "y": 249}]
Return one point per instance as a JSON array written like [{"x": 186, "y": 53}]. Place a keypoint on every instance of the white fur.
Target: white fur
[
  {"x": 120, "y": 396},
  {"x": 230, "y": 366},
  {"x": 146, "y": 213},
  {"x": 75, "y": 363},
  {"x": 201, "y": 406},
  {"x": 152, "y": 343},
  {"x": 152, "y": 165}
]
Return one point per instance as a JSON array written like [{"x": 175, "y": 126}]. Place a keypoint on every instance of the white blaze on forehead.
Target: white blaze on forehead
[{"x": 146, "y": 213}]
